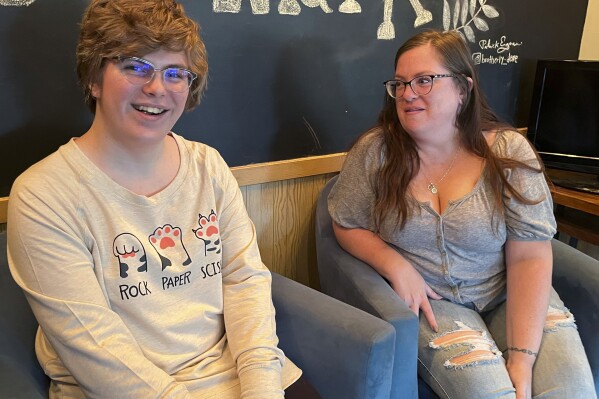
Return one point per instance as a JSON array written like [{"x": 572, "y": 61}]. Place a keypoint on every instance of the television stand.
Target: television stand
[
  {"x": 584, "y": 182},
  {"x": 576, "y": 211},
  {"x": 584, "y": 186}
]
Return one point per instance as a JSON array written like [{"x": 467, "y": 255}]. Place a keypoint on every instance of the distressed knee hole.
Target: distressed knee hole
[
  {"x": 479, "y": 348},
  {"x": 558, "y": 318}
]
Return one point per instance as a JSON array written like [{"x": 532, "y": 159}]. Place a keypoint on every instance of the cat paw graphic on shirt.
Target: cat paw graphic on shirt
[
  {"x": 209, "y": 233},
  {"x": 130, "y": 253},
  {"x": 168, "y": 242}
]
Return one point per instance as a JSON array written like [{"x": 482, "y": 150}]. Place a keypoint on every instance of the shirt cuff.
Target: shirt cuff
[{"x": 261, "y": 383}]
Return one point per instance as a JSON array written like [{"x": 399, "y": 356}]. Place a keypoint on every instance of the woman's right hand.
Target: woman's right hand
[
  {"x": 415, "y": 292},
  {"x": 404, "y": 279}
]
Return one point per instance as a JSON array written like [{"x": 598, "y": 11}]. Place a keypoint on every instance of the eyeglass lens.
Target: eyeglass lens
[
  {"x": 420, "y": 85},
  {"x": 139, "y": 72}
]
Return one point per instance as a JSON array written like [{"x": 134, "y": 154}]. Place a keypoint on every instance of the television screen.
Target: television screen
[{"x": 564, "y": 117}]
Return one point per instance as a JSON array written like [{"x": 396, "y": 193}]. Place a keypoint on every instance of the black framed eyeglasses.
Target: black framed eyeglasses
[
  {"x": 420, "y": 85},
  {"x": 139, "y": 72}
]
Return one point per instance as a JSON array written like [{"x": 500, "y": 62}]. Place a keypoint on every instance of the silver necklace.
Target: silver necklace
[{"x": 432, "y": 187}]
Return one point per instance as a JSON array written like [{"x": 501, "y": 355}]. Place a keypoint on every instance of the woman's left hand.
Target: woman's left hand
[{"x": 521, "y": 375}]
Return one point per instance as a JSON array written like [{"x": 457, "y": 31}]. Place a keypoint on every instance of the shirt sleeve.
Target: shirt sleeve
[
  {"x": 248, "y": 309},
  {"x": 532, "y": 222},
  {"x": 50, "y": 261},
  {"x": 351, "y": 199}
]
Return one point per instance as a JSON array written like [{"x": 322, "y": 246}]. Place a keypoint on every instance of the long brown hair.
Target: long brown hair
[{"x": 401, "y": 162}]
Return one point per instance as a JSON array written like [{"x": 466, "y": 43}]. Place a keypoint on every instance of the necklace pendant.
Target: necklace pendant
[{"x": 432, "y": 188}]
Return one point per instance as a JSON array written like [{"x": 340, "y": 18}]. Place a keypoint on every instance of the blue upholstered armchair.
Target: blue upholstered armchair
[
  {"x": 344, "y": 352},
  {"x": 575, "y": 278}
]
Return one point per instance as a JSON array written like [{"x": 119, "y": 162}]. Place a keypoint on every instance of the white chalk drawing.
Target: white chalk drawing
[
  {"x": 234, "y": 6},
  {"x": 350, "y": 7},
  {"x": 292, "y": 7},
  {"x": 17, "y": 3},
  {"x": 289, "y": 7},
  {"x": 286, "y": 7},
  {"x": 422, "y": 16},
  {"x": 496, "y": 52},
  {"x": 466, "y": 15},
  {"x": 317, "y": 144},
  {"x": 386, "y": 30},
  {"x": 315, "y": 3}
]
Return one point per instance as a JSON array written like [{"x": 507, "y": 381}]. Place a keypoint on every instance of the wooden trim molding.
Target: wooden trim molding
[
  {"x": 288, "y": 169},
  {"x": 3, "y": 209},
  {"x": 294, "y": 168},
  {"x": 585, "y": 202}
]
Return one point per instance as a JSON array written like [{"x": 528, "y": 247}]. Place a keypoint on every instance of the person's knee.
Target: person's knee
[
  {"x": 478, "y": 348},
  {"x": 558, "y": 375},
  {"x": 557, "y": 318}
]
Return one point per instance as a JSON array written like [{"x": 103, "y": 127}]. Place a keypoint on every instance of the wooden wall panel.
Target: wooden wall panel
[
  {"x": 283, "y": 213},
  {"x": 3, "y": 209}
]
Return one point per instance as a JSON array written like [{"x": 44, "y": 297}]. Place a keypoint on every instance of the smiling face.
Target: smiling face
[
  {"x": 433, "y": 114},
  {"x": 129, "y": 112}
]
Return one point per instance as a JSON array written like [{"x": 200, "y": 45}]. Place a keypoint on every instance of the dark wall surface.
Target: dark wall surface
[{"x": 288, "y": 78}]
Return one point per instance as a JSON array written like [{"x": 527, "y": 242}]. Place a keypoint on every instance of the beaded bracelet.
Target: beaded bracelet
[{"x": 528, "y": 352}]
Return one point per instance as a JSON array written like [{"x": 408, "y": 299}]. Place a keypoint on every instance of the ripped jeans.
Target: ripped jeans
[{"x": 465, "y": 359}]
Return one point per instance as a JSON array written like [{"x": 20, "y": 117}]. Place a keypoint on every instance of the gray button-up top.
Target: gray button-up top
[{"x": 459, "y": 253}]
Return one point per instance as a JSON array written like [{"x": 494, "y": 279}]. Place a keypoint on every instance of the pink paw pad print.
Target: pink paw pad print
[
  {"x": 168, "y": 242},
  {"x": 165, "y": 237},
  {"x": 209, "y": 232},
  {"x": 130, "y": 254},
  {"x": 208, "y": 226}
]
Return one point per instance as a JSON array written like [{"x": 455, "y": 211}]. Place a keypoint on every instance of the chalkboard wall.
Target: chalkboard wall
[{"x": 288, "y": 78}]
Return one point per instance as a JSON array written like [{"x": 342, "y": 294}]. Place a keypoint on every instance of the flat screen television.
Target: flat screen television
[{"x": 564, "y": 118}]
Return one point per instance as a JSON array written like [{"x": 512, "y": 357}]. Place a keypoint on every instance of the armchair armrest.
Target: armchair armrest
[
  {"x": 18, "y": 382},
  {"x": 350, "y": 280},
  {"x": 21, "y": 376},
  {"x": 343, "y": 351},
  {"x": 576, "y": 280}
]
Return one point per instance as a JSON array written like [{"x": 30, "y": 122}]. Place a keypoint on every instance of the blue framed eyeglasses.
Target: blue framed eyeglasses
[{"x": 139, "y": 72}]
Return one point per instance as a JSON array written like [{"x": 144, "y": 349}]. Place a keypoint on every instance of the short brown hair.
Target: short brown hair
[{"x": 110, "y": 28}]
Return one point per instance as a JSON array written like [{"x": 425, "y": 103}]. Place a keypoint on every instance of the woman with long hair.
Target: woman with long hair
[{"x": 451, "y": 207}]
